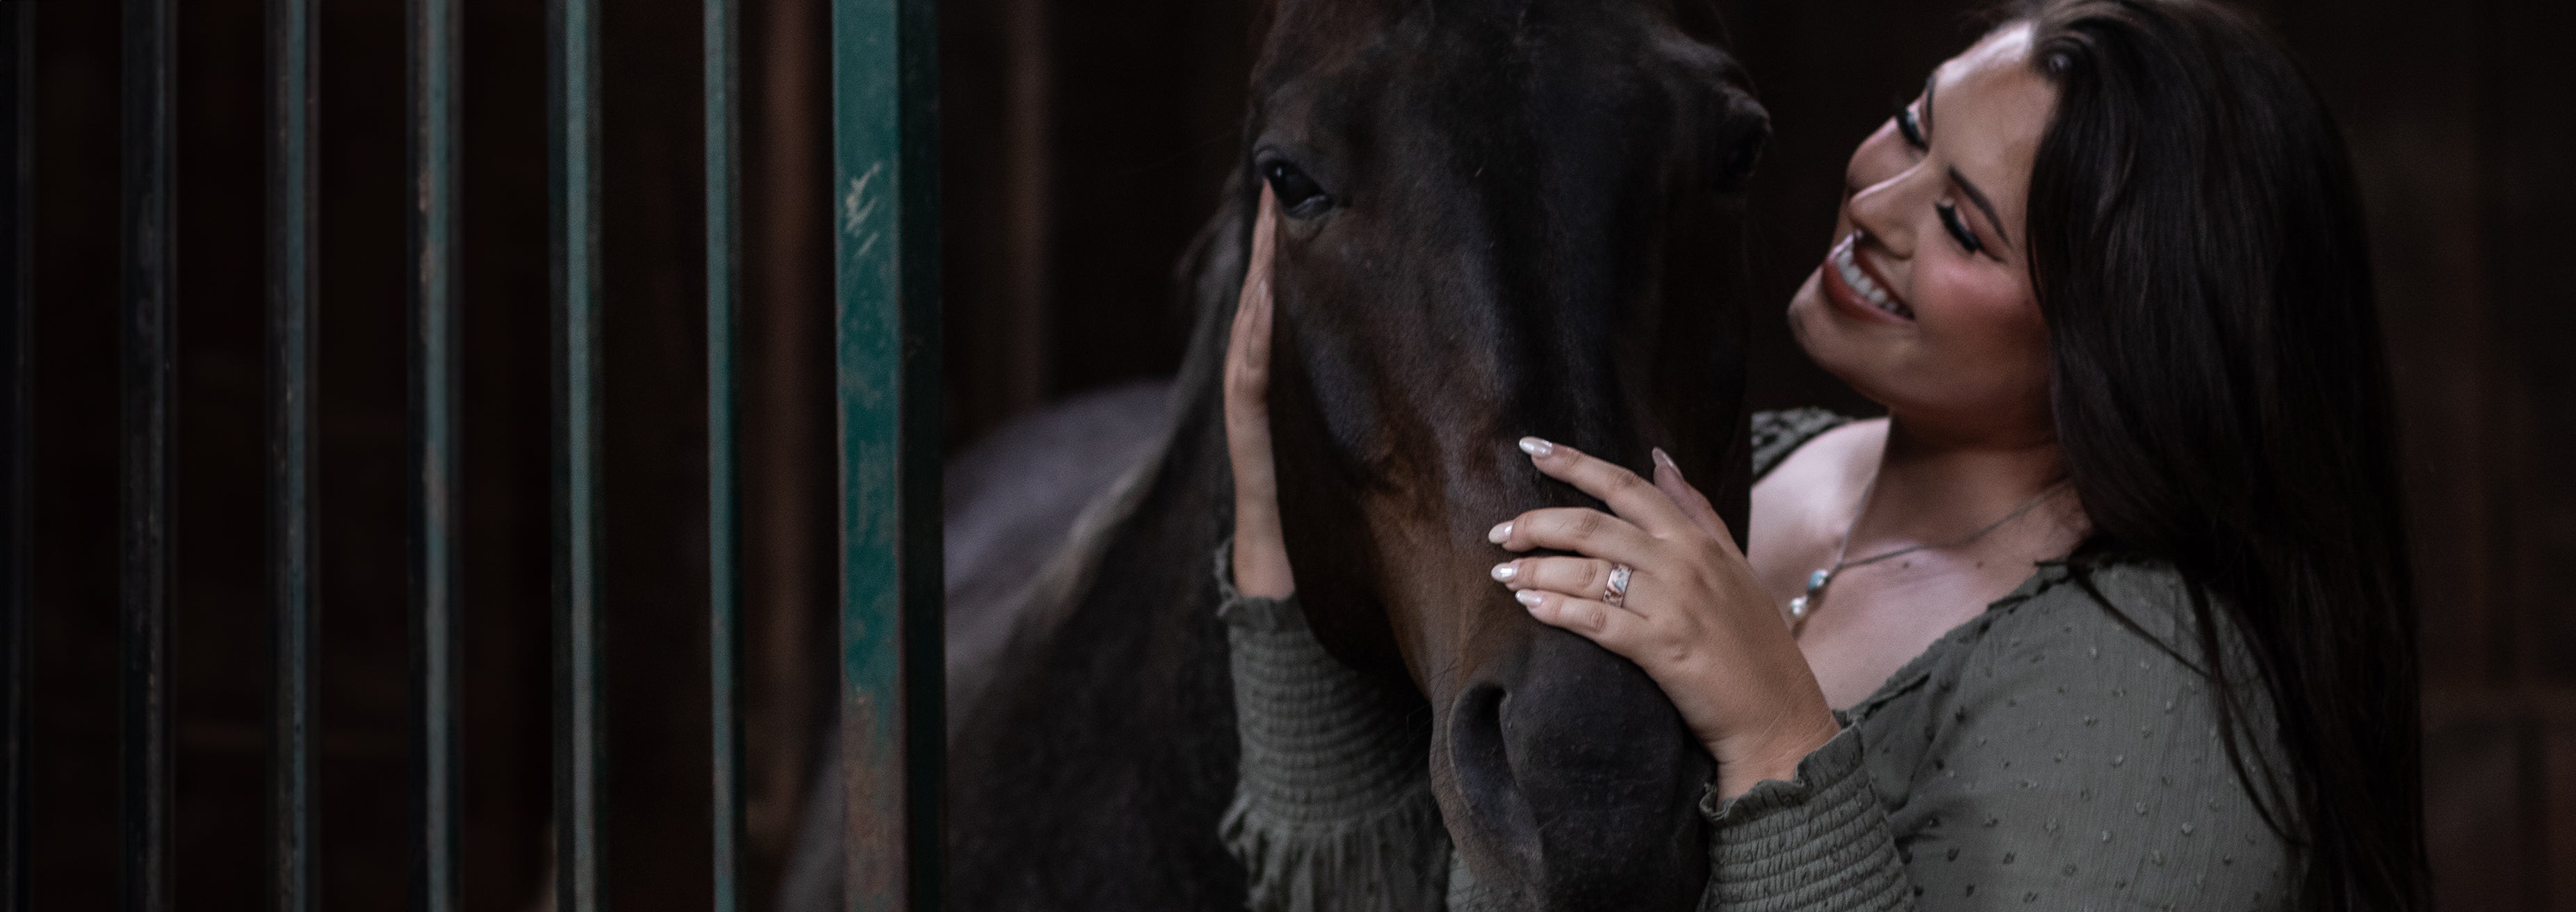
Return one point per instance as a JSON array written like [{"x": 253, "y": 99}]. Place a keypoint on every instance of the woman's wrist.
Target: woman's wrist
[
  {"x": 1260, "y": 554},
  {"x": 1775, "y": 754}
]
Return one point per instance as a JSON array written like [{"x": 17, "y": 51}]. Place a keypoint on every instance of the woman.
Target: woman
[{"x": 2107, "y": 275}]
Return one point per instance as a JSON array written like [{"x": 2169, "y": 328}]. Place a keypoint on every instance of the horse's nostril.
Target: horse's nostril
[
  {"x": 1481, "y": 756},
  {"x": 1577, "y": 781}
]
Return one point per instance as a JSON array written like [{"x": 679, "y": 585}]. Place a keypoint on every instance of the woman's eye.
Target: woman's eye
[
  {"x": 1299, "y": 196},
  {"x": 1911, "y": 127},
  {"x": 1958, "y": 227}
]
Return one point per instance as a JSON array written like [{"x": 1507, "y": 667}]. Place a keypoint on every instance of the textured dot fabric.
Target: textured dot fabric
[{"x": 2059, "y": 751}]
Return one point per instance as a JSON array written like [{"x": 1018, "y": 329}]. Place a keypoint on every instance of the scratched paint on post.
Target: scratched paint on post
[{"x": 884, "y": 193}]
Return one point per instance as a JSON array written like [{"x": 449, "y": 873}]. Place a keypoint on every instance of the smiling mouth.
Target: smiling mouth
[{"x": 1845, "y": 259}]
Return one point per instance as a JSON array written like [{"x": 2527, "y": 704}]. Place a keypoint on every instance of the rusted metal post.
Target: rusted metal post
[
  {"x": 885, "y": 193},
  {"x": 143, "y": 632},
  {"x": 291, "y": 181},
  {"x": 431, "y": 108}
]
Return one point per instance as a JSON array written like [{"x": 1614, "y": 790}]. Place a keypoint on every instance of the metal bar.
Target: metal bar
[
  {"x": 291, "y": 184},
  {"x": 433, "y": 94},
  {"x": 572, "y": 77},
  {"x": 724, "y": 522},
  {"x": 17, "y": 432},
  {"x": 143, "y": 635},
  {"x": 885, "y": 189}
]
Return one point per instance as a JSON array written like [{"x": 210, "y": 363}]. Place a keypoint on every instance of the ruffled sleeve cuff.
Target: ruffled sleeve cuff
[
  {"x": 1818, "y": 841},
  {"x": 1334, "y": 807}
]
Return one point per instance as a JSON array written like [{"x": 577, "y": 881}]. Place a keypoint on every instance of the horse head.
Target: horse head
[{"x": 1504, "y": 218}]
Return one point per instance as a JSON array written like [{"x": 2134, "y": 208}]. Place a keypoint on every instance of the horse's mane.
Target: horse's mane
[
  {"x": 1206, "y": 280},
  {"x": 1112, "y": 685}
]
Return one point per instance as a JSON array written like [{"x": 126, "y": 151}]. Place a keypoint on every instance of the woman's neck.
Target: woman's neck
[{"x": 1935, "y": 484}]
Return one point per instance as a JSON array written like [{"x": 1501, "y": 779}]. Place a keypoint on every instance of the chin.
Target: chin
[{"x": 1830, "y": 343}]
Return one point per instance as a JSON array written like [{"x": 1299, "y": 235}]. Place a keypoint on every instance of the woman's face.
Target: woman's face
[{"x": 1925, "y": 304}]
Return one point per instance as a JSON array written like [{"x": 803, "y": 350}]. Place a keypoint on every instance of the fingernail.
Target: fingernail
[
  {"x": 1528, "y": 597},
  {"x": 1538, "y": 449},
  {"x": 1503, "y": 572},
  {"x": 1499, "y": 533},
  {"x": 1665, "y": 459}
]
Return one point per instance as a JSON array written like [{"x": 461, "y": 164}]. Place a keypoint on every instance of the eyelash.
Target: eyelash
[
  {"x": 1911, "y": 128},
  {"x": 1959, "y": 229}
]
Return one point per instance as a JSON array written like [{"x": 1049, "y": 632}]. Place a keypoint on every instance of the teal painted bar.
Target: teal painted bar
[
  {"x": 432, "y": 88},
  {"x": 724, "y": 522},
  {"x": 572, "y": 76},
  {"x": 292, "y": 40},
  {"x": 885, "y": 196}
]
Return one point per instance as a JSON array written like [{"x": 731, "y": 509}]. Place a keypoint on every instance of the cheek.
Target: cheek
[{"x": 1982, "y": 321}]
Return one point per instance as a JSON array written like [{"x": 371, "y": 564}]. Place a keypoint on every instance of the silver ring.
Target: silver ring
[{"x": 1616, "y": 593}]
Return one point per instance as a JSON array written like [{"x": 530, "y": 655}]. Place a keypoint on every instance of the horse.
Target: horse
[{"x": 1500, "y": 218}]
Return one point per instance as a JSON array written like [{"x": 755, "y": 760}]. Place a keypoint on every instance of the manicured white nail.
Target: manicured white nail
[
  {"x": 1504, "y": 572},
  {"x": 1499, "y": 533},
  {"x": 1528, "y": 597},
  {"x": 1538, "y": 449},
  {"x": 1666, "y": 460}
]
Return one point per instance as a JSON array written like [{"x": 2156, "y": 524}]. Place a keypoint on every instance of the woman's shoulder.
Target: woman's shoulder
[
  {"x": 2100, "y": 639},
  {"x": 2105, "y": 652},
  {"x": 2132, "y": 611},
  {"x": 2146, "y": 602}
]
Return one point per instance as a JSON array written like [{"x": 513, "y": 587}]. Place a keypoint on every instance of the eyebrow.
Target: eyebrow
[{"x": 1978, "y": 198}]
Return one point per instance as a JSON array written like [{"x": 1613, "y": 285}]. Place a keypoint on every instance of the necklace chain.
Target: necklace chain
[{"x": 1805, "y": 604}]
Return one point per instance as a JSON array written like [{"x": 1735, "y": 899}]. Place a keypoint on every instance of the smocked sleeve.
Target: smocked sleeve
[
  {"x": 1333, "y": 810},
  {"x": 1818, "y": 841}
]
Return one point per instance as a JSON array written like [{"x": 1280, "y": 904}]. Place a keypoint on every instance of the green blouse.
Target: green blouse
[{"x": 2043, "y": 755}]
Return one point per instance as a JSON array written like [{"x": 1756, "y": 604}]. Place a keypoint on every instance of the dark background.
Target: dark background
[{"x": 1084, "y": 144}]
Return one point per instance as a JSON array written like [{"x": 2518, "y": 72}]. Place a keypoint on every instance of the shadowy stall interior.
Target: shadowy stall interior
[{"x": 1082, "y": 146}]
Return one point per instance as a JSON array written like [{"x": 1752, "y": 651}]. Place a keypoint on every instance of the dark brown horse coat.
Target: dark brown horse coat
[{"x": 1502, "y": 217}]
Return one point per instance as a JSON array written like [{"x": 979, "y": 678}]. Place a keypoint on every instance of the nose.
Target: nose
[
  {"x": 1881, "y": 209},
  {"x": 1579, "y": 784}
]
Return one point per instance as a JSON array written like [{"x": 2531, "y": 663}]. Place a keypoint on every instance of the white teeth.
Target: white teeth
[{"x": 1848, "y": 264}]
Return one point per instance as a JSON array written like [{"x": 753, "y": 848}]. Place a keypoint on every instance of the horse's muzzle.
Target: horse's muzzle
[{"x": 1578, "y": 782}]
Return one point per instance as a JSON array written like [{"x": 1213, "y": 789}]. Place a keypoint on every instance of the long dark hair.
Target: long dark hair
[{"x": 2221, "y": 397}]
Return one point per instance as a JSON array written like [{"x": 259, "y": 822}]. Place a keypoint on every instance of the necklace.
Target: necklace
[{"x": 1804, "y": 605}]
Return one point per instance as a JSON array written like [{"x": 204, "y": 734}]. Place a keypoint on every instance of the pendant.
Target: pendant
[{"x": 1815, "y": 583}]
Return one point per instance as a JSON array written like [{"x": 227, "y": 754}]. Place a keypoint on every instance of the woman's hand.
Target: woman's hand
[
  {"x": 1693, "y": 617},
  {"x": 1260, "y": 550}
]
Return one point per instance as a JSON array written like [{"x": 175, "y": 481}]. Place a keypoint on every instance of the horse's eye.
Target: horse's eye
[
  {"x": 1740, "y": 144},
  {"x": 1298, "y": 194}
]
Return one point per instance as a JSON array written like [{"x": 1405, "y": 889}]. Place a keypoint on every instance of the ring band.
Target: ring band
[{"x": 1616, "y": 593}]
